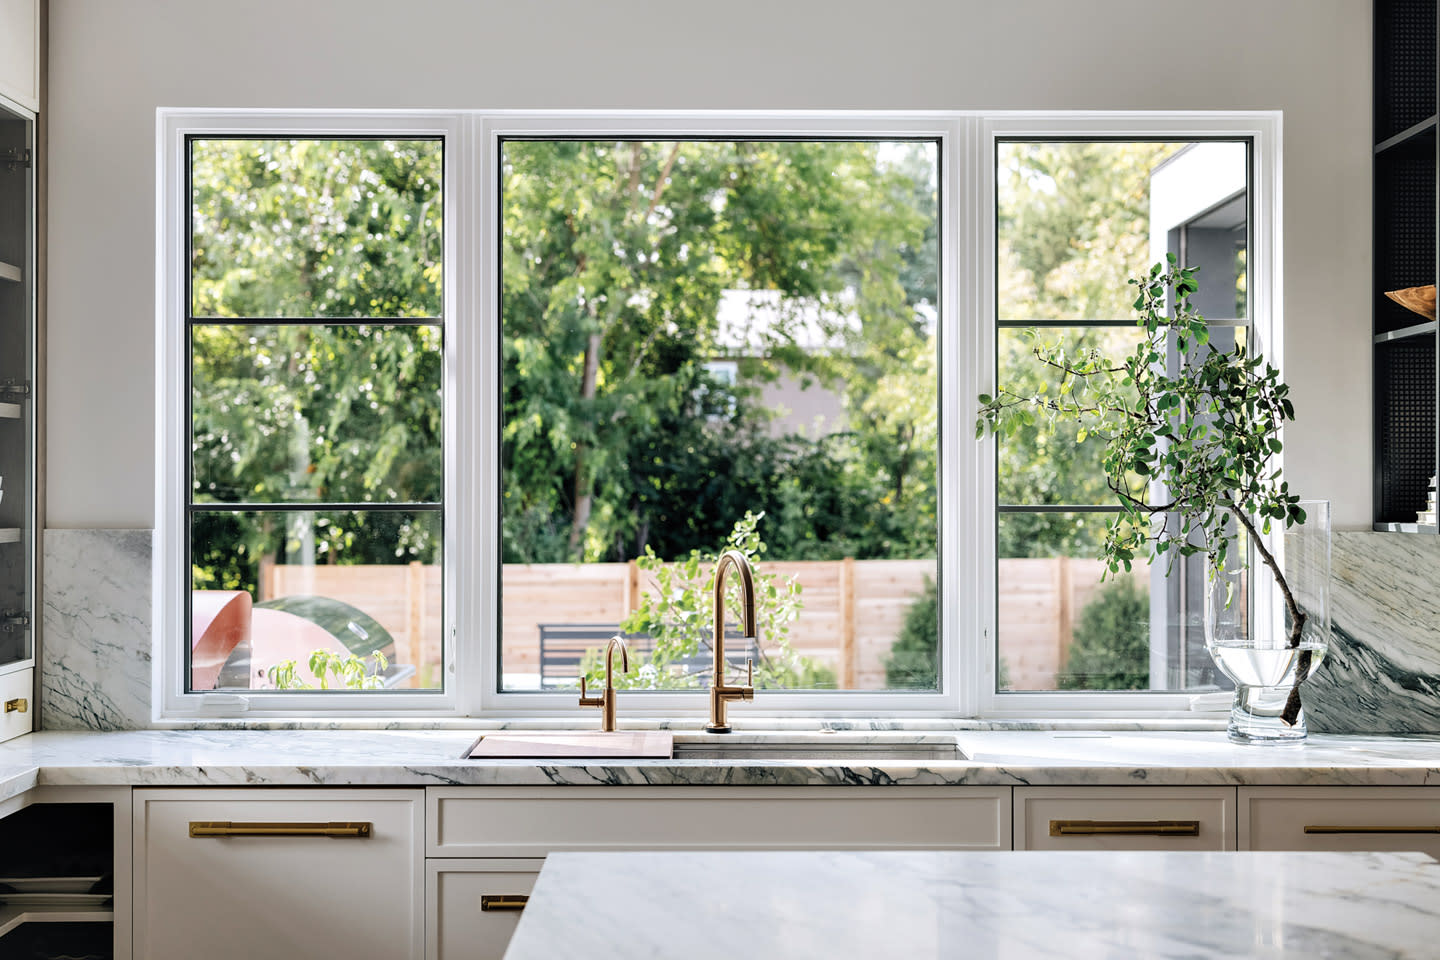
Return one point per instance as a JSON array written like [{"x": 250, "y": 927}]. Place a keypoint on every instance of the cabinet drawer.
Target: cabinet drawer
[
  {"x": 280, "y": 887},
  {"x": 17, "y": 693},
  {"x": 532, "y": 822},
  {"x": 1340, "y": 818},
  {"x": 471, "y": 911},
  {"x": 1125, "y": 818}
]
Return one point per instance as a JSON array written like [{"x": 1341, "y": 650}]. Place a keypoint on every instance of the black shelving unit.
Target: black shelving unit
[{"x": 1405, "y": 255}]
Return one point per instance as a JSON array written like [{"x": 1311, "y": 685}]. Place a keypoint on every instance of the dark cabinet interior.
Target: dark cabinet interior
[{"x": 1405, "y": 214}]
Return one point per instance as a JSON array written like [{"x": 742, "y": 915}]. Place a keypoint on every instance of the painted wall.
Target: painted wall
[{"x": 113, "y": 63}]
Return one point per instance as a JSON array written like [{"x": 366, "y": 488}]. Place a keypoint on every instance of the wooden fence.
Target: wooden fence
[{"x": 853, "y": 609}]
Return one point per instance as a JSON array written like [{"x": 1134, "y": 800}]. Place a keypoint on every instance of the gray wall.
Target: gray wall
[{"x": 113, "y": 63}]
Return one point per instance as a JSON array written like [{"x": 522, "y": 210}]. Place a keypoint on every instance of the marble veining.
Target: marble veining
[
  {"x": 95, "y": 659},
  {"x": 431, "y": 758},
  {"x": 1382, "y": 672},
  {"x": 1019, "y": 906}
]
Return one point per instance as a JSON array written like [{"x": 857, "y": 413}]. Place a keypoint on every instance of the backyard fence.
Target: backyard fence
[{"x": 853, "y": 609}]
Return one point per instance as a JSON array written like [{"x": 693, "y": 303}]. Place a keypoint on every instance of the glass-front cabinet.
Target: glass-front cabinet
[{"x": 17, "y": 416}]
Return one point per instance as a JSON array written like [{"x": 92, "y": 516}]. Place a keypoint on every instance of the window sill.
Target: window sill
[{"x": 1193, "y": 722}]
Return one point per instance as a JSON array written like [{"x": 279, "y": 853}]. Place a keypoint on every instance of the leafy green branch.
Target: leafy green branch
[
  {"x": 352, "y": 672},
  {"x": 1190, "y": 432},
  {"x": 677, "y": 617}
]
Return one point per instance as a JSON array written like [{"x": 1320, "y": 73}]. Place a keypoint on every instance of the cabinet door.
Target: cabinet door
[
  {"x": 17, "y": 703},
  {"x": 20, "y": 51},
  {"x": 278, "y": 886},
  {"x": 1124, "y": 818},
  {"x": 1376, "y": 819},
  {"x": 472, "y": 906}
]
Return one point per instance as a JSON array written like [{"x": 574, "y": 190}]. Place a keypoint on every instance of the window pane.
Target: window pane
[
  {"x": 315, "y": 228},
  {"x": 1043, "y": 463},
  {"x": 1077, "y": 219},
  {"x": 694, "y": 330},
  {"x": 1062, "y": 628},
  {"x": 317, "y": 413},
  {"x": 273, "y": 588}
]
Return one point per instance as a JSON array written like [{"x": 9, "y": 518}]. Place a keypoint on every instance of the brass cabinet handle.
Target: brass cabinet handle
[
  {"x": 18, "y": 705},
  {"x": 503, "y": 901},
  {"x": 1125, "y": 828},
  {"x": 1370, "y": 828},
  {"x": 225, "y": 828}
]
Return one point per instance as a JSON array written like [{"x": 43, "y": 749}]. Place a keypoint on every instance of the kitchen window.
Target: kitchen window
[{"x": 526, "y": 373}]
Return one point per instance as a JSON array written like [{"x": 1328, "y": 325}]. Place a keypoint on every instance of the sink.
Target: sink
[{"x": 824, "y": 747}]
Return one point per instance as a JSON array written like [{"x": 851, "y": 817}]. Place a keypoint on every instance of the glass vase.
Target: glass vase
[{"x": 1252, "y": 634}]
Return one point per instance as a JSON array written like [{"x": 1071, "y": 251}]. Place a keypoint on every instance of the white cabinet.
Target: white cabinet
[
  {"x": 239, "y": 874},
  {"x": 17, "y": 703},
  {"x": 20, "y": 52},
  {"x": 472, "y": 906},
  {"x": 533, "y": 821},
  {"x": 1340, "y": 818},
  {"x": 1124, "y": 818}
]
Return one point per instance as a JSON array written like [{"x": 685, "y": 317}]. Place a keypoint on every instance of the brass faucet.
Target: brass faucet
[
  {"x": 606, "y": 700},
  {"x": 722, "y": 693}
]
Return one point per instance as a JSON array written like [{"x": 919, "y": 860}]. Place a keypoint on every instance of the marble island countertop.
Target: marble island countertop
[
  {"x": 432, "y": 757},
  {"x": 1154, "y": 904}
]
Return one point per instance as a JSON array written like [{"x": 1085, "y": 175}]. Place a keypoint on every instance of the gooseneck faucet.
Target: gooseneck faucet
[
  {"x": 606, "y": 700},
  {"x": 722, "y": 693}
]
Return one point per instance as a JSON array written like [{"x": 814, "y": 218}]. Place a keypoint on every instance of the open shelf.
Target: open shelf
[
  {"x": 1384, "y": 527},
  {"x": 11, "y": 915},
  {"x": 1424, "y": 128},
  {"x": 1405, "y": 333}
]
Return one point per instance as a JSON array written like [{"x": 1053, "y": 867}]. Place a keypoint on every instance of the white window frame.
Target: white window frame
[
  {"x": 966, "y": 548},
  {"x": 169, "y": 700},
  {"x": 1262, "y": 129}
]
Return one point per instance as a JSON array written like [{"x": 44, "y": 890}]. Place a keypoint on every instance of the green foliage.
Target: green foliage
[
  {"x": 1111, "y": 645},
  {"x": 616, "y": 256},
  {"x": 914, "y": 660},
  {"x": 305, "y": 229},
  {"x": 353, "y": 672},
  {"x": 678, "y": 618},
  {"x": 1206, "y": 432}
]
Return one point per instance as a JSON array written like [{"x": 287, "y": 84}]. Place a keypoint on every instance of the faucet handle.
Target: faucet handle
[{"x": 589, "y": 701}]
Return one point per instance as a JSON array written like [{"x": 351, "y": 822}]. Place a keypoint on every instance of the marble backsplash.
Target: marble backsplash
[
  {"x": 95, "y": 662},
  {"x": 1382, "y": 674}
]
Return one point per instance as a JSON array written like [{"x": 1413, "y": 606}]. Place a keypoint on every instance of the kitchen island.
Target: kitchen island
[{"x": 919, "y": 905}]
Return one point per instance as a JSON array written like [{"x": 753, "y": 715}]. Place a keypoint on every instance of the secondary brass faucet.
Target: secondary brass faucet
[
  {"x": 722, "y": 693},
  {"x": 606, "y": 700}
]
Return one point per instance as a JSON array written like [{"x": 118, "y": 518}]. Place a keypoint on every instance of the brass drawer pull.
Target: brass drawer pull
[
  {"x": 19, "y": 704},
  {"x": 225, "y": 828},
  {"x": 1125, "y": 828},
  {"x": 503, "y": 901},
  {"x": 1370, "y": 828}
]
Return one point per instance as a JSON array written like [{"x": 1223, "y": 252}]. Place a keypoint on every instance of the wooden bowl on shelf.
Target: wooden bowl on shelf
[{"x": 1419, "y": 300}]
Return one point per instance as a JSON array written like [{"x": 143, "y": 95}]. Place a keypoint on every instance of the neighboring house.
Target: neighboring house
[{"x": 751, "y": 322}]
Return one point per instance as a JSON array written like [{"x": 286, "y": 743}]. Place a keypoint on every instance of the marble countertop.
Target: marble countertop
[
  {"x": 802, "y": 905},
  {"x": 432, "y": 757}
]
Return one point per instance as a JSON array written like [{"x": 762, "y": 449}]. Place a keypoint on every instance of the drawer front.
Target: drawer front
[
  {"x": 276, "y": 889},
  {"x": 1341, "y": 818},
  {"x": 1124, "y": 818},
  {"x": 532, "y": 822},
  {"x": 17, "y": 703},
  {"x": 472, "y": 906}
]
